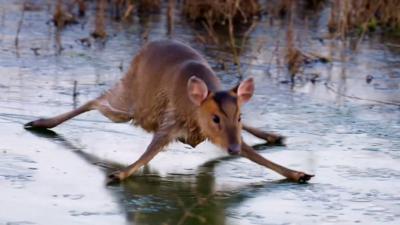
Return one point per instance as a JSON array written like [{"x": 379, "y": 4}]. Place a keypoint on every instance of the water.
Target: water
[{"x": 351, "y": 145}]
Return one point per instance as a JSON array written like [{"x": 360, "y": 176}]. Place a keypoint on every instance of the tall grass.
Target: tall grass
[
  {"x": 224, "y": 20},
  {"x": 349, "y": 17},
  {"x": 100, "y": 31},
  {"x": 222, "y": 12}
]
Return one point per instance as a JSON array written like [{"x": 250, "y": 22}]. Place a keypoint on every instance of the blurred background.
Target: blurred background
[{"x": 327, "y": 77}]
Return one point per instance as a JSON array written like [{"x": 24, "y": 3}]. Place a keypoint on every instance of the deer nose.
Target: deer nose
[{"x": 234, "y": 149}]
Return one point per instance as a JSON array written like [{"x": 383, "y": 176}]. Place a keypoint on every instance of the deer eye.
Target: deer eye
[
  {"x": 216, "y": 119},
  {"x": 240, "y": 118}
]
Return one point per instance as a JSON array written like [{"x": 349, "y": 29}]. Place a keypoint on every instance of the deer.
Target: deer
[{"x": 170, "y": 90}]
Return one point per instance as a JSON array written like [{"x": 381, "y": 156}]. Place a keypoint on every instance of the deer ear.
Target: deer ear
[
  {"x": 245, "y": 90},
  {"x": 197, "y": 90}
]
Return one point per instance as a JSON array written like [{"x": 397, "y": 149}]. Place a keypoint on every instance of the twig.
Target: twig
[
  {"x": 364, "y": 30},
  {"x": 393, "y": 45},
  {"x": 358, "y": 98},
  {"x": 236, "y": 58},
  {"x": 245, "y": 37},
  {"x": 99, "y": 31},
  {"x": 129, "y": 11},
  {"x": 75, "y": 93},
  {"x": 211, "y": 32},
  {"x": 19, "y": 30},
  {"x": 170, "y": 17}
]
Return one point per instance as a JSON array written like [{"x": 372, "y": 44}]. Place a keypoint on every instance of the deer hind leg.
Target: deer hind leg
[
  {"x": 54, "y": 121},
  {"x": 102, "y": 105},
  {"x": 113, "y": 113},
  {"x": 293, "y": 175},
  {"x": 271, "y": 138}
]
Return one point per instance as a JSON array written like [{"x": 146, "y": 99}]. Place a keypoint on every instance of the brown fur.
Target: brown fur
[
  {"x": 171, "y": 91},
  {"x": 223, "y": 104},
  {"x": 150, "y": 89}
]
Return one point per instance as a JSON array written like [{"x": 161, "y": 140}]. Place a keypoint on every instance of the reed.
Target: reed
[
  {"x": 355, "y": 17},
  {"x": 170, "y": 16},
  {"x": 148, "y": 6},
  {"x": 228, "y": 23},
  {"x": 61, "y": 16},
  {"x": 100, "y": 31},
  {"x": 81, "y": 7},
  {"x": 347, "y": 16},
  {"x": 222, "y": 12}
]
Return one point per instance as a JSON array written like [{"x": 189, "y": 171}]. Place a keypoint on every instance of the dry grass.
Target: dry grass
[
  {"x": 348, "y": 16},
  {"x": 61, "y": 16},
  {"x": 81, "y": 7},
  {"x": 282, "y": 8},
  {"x": 170, "y": 16},
  {"x": 224, "y": 16},
  {"x": 146, "y": 6},
  {"x": 224, "y": 20},
  {"x": 295, "y": 57},
  {"x": 100, "y": 31},
  {"x": 222, "y": 12}
]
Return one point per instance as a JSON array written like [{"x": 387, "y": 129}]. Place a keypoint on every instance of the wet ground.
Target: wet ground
[{"x": 351, "y": 145}]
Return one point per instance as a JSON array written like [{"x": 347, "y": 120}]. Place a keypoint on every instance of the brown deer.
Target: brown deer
[{"x": 171, "y": 91}]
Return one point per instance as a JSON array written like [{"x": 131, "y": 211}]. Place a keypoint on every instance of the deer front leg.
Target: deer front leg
[
  {"x": 159, "y": 141},
  {"x": 271, "y": 138},
  {"x": 293, "y": 175}
]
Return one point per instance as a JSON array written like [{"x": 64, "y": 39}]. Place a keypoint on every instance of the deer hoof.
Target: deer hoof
[
  {"x": 276, "y": 140},
  {"x": 30, "y": 125},
  {"x": 38, "y": 124},
  {"x": 280, "y": 140},
  {"x": 115, "y": 177},
  {"x": 302, "y": 178}
]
